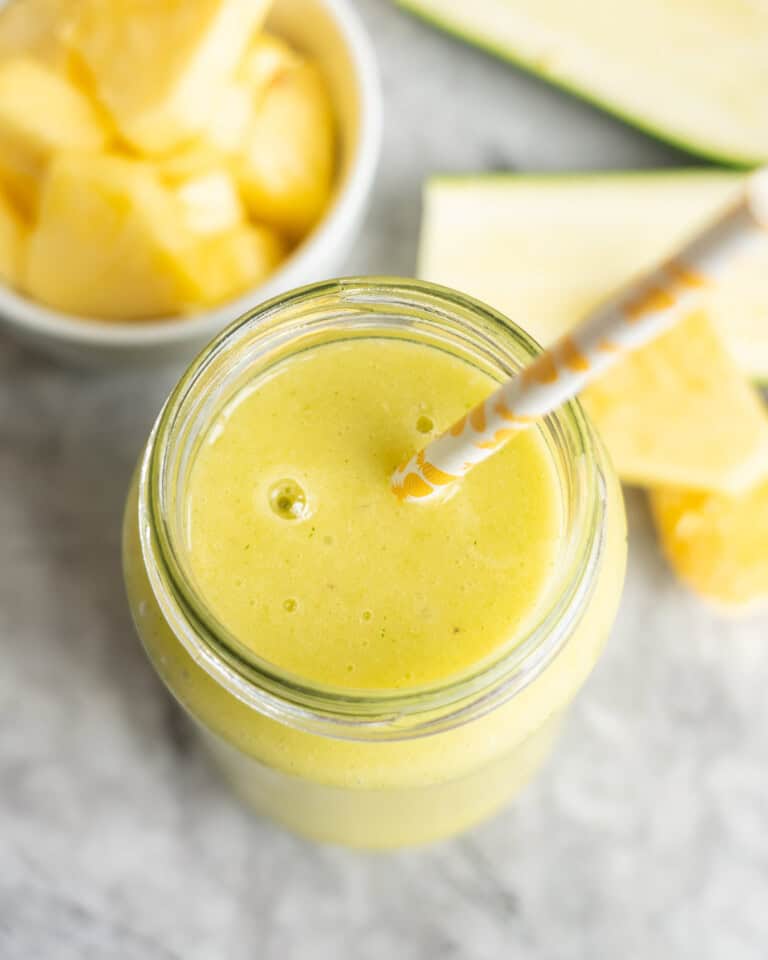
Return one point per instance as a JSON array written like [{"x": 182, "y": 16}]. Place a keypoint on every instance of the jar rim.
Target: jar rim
[{"x": 342, "y": 712}]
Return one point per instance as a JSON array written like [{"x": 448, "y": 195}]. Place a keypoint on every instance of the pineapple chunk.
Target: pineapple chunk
[
  {"x": 715, "y": 543},
  {"x": 36, "y": 28},
  {"x": 227, "y": 126},
  {"x": 12, "y": 235},
  {"x": 110, "y": 241},
  {"x": 227, "y": 264},
  {"x": 677, "y": 412},
  {"x": 193, "y": 160},
  {"x": 40, "y": 113},
  {"x": 286, "y": 168},
  {"x": 210, "y": 202},
  {"x": 221, "y": 139},
  {"x": 159, "y": 66},
  {"x": 267, "y": 57}
]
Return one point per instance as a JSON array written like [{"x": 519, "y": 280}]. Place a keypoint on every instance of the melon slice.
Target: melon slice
[
  {"x": 694, "y": 72},
  {"x": 716, "y": 544},
  {"x": 160, "y": 67},
  {"x": 545, "y": 249},
  {"x": 679, "y": 412}
]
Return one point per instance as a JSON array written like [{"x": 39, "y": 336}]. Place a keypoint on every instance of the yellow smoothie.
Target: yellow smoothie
[
  {"x": 302, "y": 551},
  {"x": 364, "y": 671}
]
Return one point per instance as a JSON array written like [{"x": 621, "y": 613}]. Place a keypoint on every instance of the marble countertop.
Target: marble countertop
[{"x": 647, "y": 836}]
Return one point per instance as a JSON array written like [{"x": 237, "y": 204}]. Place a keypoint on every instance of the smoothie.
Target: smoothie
[
  {"x": 302, "y": 551},
  {"x": 365, "y": 671}
]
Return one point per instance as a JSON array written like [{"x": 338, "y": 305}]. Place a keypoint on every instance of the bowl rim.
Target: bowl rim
[{"x": 28, "y": 316}]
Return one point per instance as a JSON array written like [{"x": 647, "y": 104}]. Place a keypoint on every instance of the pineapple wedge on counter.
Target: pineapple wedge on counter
[
  {"x": 717, "y": 543},
  {"x": 651, "y": 405}
]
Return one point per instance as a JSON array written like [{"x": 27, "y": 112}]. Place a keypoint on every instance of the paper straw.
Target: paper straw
[{"x": 623, "y": 323}]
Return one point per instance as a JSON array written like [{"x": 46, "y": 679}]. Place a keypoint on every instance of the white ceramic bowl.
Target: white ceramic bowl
[{"x": 331, "y": 32}]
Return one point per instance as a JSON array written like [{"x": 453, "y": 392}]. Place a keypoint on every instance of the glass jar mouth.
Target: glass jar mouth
[{"x": 282, "y": 328}]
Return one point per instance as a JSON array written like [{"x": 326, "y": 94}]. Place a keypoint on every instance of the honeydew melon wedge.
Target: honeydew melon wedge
[
  {"x": 544, "y": 249},
  {"x": 693, "y": 72}
]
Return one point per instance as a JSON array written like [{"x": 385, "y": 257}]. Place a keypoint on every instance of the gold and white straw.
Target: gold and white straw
[{"x": 623, "y": 323}]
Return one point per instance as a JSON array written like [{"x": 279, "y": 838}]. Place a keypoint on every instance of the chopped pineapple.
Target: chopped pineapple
[
  {"x": 192, "y": 160},
  {"x": 716, "y": 544},
  {"x": 210, "y": 202},
  {"x": 160, "y": 67},
  {"x": 40, "y": 113},
  {"x": 12, "y": 236},
  {"x": 216, "y": 115},
  {"x": 36, "y": 28},
  {"x": 221, "y": 139},
  {"x": 266, "y": 58},
  {"x": 286, "y": 168},
  {"x": 227, "y": 264},
  {"x": 110, "y": 241},
  {"x": 678, "y": 412},
  {"x": 227, "y": 127}
]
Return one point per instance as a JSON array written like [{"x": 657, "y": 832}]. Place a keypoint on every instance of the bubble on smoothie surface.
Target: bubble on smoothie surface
[
  {"x": 425, "y": 424},
  {"x": 289, "y": 500},
  {"x": 290, "y": 604}
]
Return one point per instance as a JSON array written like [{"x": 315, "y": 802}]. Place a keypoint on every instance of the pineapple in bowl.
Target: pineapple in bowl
[{"x": 160, "y": 160}]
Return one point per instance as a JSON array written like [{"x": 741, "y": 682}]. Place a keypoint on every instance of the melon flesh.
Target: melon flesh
[
  {"x": 694, "y": 72},
  {"x": 679, "y": 412},
  {"x": 715, "y": 543},
  {"x": 545, "y": 249}
]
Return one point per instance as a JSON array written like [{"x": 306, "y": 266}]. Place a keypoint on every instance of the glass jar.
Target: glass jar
[{"x": 371, "y": 769}]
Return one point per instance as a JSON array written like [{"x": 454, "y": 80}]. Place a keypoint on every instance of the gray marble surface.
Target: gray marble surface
[{"x": 647, "y": 836}]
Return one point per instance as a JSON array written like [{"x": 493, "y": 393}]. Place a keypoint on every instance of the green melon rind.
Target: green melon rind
[{"x": 643, "y": 123}]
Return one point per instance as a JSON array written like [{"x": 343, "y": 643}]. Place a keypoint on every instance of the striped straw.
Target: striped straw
[{"x": 623, "y": 323}]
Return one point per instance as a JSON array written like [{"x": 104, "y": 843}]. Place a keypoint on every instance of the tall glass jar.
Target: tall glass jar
[{"x": 371, "y": 769}]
